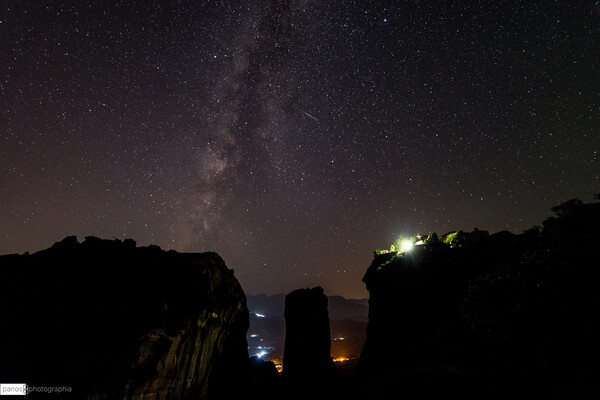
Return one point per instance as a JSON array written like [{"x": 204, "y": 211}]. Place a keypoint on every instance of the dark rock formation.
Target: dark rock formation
[
  {"x": 111, "y": 320},
  {"x": 266, "y": 381},
  {"x": 308, "y": 339},
  {"x": 413, "y": 298},
  {"x": 511, "y": 316}
]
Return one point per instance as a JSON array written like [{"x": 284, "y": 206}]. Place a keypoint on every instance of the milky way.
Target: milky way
[{"x": 293, "y": 138}]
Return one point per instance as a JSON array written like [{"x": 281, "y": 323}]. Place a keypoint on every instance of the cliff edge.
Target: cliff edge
[
  {"x": 108, "y": 319},
  {"x": 511, "y": 316}
]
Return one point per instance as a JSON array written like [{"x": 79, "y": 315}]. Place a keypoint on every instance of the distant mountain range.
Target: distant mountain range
[
  {"x": 348, "y": 320},
  {"x": 339, "y": 307}
]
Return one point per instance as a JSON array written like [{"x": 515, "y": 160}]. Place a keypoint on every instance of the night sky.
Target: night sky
[{"x": 293, "y": 138}]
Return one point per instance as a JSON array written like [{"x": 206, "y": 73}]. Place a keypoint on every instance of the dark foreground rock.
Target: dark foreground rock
[
  {"x": 308, "y": 368},
  {"x": 511, "y": 316},
  {"x": 307, "y": 353},
  {"x": 111, "y": 320}
]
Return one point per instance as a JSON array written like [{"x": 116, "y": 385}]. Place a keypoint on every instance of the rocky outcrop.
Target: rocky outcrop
[
  {"x": 511, "y": 316},
  {"x": 111, "y": 320},
  {"x": 307, "y": 354},
  {"x": 413, "y": 299}
]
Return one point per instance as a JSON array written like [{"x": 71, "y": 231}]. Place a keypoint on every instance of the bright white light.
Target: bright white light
[
  {"x": 261, "y": 354},
  {"x": 406, "y": 245},
  {"x": 259, "y": 315}
]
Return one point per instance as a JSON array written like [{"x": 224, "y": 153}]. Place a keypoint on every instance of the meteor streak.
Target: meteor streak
[{"x": 308, "y": 115}]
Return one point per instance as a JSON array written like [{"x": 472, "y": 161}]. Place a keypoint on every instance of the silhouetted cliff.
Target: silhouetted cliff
[
  {"x": 512, "y": 316},
  {"x": 112, "y": 320},
  {"x": 308, "y": 368},
  {"x": 307, "y": 353}
]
